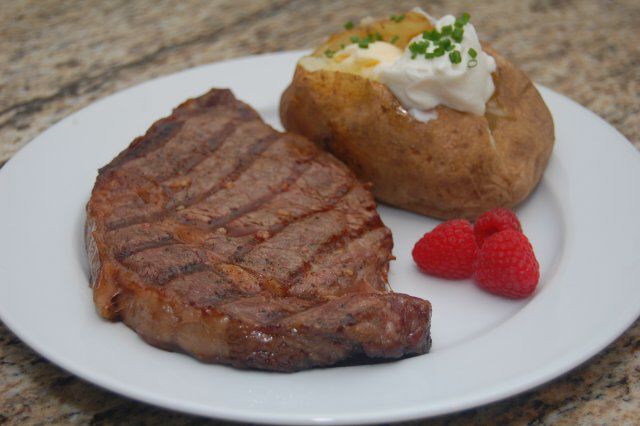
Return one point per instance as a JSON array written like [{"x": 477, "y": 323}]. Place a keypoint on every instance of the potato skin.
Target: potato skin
[{"x": 452, "y": 166}]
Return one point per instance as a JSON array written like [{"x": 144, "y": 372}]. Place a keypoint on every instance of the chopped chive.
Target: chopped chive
[
  {"x": 396, "y": 18},
  {"x": 418, "y": 47},
  {"x": 432, "y": 35},
  {"x": 457, "y": 34},
  {"x": 439, "y": 51},
  {"x": 462, "y": 20},
  {"x": 394, "y": 39},
  {"x": 455, "y": 57},
  {"x": 348, "y": 25},
  {"x": 364, "y": 43},
  {"x": 329, "y": 53},
  {"x": 472, "y": 52},
  {"x": 354, "y": 39},
  {"x": 378, "y": 37},
  {"x": 446, "y": 30},
  {"x": 472, "y": 63},
  {"x": 429, "y": 55},
  {"x": 444, "y": 43}
]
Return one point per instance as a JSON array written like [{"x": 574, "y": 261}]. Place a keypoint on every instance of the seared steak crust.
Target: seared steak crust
[{"x": 215, "y": 235}]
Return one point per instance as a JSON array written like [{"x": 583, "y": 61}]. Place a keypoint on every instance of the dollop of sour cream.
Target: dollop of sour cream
[{"x": 422, "y": 84}]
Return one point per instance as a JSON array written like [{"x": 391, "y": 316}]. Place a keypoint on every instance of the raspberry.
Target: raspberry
[
  {"x": 507, "y": 266},
  {"x": 448, "y": 251},
  {"x": 493, "y": 221}
]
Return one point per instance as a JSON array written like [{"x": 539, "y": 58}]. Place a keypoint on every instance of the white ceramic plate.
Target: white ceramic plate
[{"x": 582, "y": 221}]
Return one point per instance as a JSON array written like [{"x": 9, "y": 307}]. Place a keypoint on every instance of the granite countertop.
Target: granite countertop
[{"x": 57, "y": 57}]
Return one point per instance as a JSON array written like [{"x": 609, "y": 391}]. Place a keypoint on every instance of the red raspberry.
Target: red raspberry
[
  {"x": 448, "y": 251},
  {"x": 507, "y": 266},
  {"x": 493, "y": 221}
]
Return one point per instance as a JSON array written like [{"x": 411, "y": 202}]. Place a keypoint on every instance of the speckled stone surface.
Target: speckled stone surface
[{"x": 57, "y": 57}]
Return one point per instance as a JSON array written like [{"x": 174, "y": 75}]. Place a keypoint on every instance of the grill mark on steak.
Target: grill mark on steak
[
  {"x": 192, "y": 145},
  {"x": 336, "y": 242},
  {"x": 254, "y": 153},
  {"x": 147, "y": 245},
  {"x": 162, "y": 264},
  {"x": 259, "y": 202},
  {"x": 358, "y": 265},
  {"x": 332, "y": 199},
  {"x": 159, "y": 134},
  {"x": 207, "y": 288},
  {"x": 164, "y": 238},
  {"x": 310, "y": 194},
  {"x": 140, "y": 189},
  {"x": 276, "y": 229},
  {"x": 198, "y": 139},
  {"x": 282, "y": 254},
  {"x": 282, "y": 265},
  {"x": 268, "y": 176},
  {"x": 213, "y": 143},
  {"x": 213, "y": 169}
]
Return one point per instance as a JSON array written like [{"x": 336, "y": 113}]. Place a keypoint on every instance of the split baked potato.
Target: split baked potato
[{"x": 456, "y": 165}]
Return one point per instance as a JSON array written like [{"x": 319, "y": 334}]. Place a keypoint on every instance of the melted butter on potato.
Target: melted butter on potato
[
  {"x": 354, "y": 60},
  {"x": 413, "y": 23}
]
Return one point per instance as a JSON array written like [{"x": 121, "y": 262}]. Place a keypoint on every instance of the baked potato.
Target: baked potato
[{"x": 457, "y": 165}]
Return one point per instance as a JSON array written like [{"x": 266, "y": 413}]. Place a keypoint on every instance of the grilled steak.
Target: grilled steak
[{"x": 215, "y": 235}]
